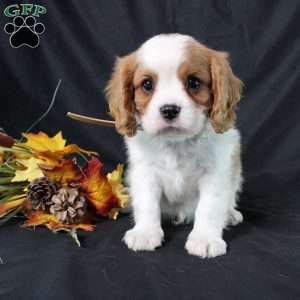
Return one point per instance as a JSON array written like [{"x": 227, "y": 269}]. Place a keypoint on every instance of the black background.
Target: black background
[{"x": 81, "y": 41}]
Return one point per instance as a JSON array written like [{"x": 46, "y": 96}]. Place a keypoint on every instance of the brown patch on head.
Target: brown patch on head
[
  {"x": 226, "y": 88},
  {"x": 196, "y": 65},
  {"x": 142, "y": 97},
  {"x": 125, "y": 93},
  {"x": 120, "y": 94},
  {"x": 220, "y": 89}
]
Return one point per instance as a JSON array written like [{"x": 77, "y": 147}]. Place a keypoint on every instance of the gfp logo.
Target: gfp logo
[{"x": 24, "y": 30}]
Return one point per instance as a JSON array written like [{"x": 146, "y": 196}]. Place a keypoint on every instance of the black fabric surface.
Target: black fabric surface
[{"x": 79, "y": 45}]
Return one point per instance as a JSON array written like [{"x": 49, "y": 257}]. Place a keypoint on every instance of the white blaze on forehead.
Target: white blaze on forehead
[{"x": 163, "y": 51}]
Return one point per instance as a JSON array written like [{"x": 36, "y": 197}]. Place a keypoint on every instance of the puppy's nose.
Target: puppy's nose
[{"x": 170, "y": 111}]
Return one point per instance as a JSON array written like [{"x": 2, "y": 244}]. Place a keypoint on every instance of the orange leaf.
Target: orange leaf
[
  {"x": 68, "y": 227},
  {"x": 97, "y": 188},
  {"x": 39, "y": 218},
  {"x": 49, "y": 220},
  {"x": 6, "y": 207},
  {"x": 65, "y": 173}
]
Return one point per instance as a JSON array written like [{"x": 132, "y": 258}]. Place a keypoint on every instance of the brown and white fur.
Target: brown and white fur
[{"x": 188, "y": 166}]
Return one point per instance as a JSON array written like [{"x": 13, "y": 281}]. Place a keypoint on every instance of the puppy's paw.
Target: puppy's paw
[
  {"x": 205, "y": 246},
  {"x": 146, "y": 239},
  {"x": 235, "y": 217}
]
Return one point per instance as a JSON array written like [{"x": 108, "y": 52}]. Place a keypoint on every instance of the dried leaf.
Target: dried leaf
[
  {"x": 49, "y": 220},
  {"x": 39, "y": 218},
  {"x": 65, "y": 173},
  {"x": 97, "y": 189},
  {"x": 31, "y": 172},
  {"x": 50, "y": 149},
  {"x": 115, "y": 180},
  {"x": 66, "y": 227},
  {"x": 41, "y": 142},
  {"x": 1, "y": 158},
  {"x": 72, "y": 148}
]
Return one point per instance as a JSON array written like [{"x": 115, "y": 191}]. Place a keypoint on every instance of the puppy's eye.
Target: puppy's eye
[
  {"x": 147, "y": 85},
  {"x": 193, "y": 83}
]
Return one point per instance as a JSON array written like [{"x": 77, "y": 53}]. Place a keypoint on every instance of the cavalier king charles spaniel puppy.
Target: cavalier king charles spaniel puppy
[{"x": 174, "y": 100}]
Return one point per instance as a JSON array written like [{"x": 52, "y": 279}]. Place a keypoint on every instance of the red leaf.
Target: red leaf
[{"x": 97, "y": 189}]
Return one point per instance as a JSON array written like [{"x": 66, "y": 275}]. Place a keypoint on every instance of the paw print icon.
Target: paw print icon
[{"x": 24, "y": 31}]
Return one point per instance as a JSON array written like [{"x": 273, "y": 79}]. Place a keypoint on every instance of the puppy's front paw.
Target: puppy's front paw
[
  {"x": 204, "y": 246},
  {"x": 143, "y": 239}
]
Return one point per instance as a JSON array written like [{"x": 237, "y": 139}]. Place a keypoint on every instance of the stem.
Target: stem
[{"x": 9, "y": 215}]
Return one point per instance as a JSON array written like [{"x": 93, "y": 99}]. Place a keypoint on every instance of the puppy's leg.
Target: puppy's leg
[
  {"x": 235, "y": 217},
  {"x": 147, "y": 233},
  {"x": 217, "y": 192}
]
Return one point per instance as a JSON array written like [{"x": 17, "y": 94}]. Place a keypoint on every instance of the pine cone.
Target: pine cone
[
  {"x": 68, "y": 206},
  {"x": 40, "y": 192}
]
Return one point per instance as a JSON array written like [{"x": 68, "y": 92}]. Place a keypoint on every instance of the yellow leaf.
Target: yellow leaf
[
  {"x": 31, "y": 172},
  {"x": 113, "y": 214},
  {"x": 51, "y": 150},
  {"x": 42, "y": 142},
  {"x": 115, "y": 180}
]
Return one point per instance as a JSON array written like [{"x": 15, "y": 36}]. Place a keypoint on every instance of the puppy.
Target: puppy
[{"x": 174, "y": 100}]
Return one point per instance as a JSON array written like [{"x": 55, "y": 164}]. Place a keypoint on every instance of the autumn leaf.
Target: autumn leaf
[
  {"x": 6, "y": 207},
  {"x": 41, "y": 218},
  {"x": 65, "y": 173},
  {"x": 115, "y": 180},
  {"x": 50, "y": 149},
  {"x": 69, "y": 149},
  {"x": 97, "y": 189},
  {"x": 68, "y": 227},
  {"x": 31, "y": 172},
  {"x": 20, "y": 152},
  {"x": 42, "y": 142},
  {"x": 1, "y": 158}
]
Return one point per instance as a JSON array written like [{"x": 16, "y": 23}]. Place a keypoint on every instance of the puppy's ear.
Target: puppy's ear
[
  {"x": 120, "y": 95},
  {"x": 226, "y": 90}
]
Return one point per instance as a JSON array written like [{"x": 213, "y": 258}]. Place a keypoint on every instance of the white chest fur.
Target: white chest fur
[{"x": 178, "y": 166}]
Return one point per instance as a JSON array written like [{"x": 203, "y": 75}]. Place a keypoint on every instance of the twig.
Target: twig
[
  {"x": 91, "y": 120},
  {"x": 46, "y": 112}
]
